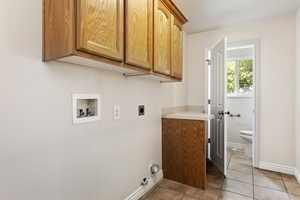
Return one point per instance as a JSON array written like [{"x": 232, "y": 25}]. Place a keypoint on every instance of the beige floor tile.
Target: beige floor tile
[
  {"x": 289, "y": 178},
  {"x": 232, "y": 196},
  {"x": 172, "y": 185},
  {"x": 208, "y": 194},
  {"x": 275, "y": 184},
  {"x": 211, "y": 169},
  {"x": 293, "y": 188},
  {"x": 265, "y": 173},
  {"x": 240, "y": 155},
  {"x": 261, "y": 193},
  {"x": 293, "y": 197},
  {"x": 241, "y": 161},
  {"x": 238, "y": 187},
  {"x": 164, "y": 194},
  {"x": 240, "y": 167},
  {"x": 239, "y": 176},
  {"x": 215, "y": 181},
  {"x": 186, "y": 197}
]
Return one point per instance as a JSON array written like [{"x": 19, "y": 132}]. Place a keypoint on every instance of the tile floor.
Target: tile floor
[{"x": 242, "y": 183}]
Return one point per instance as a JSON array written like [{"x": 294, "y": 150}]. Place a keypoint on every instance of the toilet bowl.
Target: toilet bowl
[{"x": 247, "y": 135}]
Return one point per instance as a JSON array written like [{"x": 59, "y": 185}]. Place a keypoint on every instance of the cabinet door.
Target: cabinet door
[
  {"x": 139, "y": 33},
  {"x": 162, "y": 38},
  {"x": 100, "y": 27},
  {"x": 194, "y": 153},
  {"x": 176, "y": 49},
  {"x": 172, "y": 149}
]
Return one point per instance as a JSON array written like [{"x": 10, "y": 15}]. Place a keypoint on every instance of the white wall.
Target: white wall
[
  {"x": 277, "y": 37},
  {"x": 44, "y": 156},
  {"x": 175, "y": 94},
  {"x": 297, "y": 110},
  {"x": 244, "y": 107}
]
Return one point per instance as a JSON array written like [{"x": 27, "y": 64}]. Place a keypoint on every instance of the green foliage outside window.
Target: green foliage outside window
[
  {"x": 230, "y": 77},
  {"x": 246, "y": 74},
  {"x": 244, "y": 68}
]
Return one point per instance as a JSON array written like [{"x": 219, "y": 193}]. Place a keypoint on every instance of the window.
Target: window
[{"x": 239, "y": 77}]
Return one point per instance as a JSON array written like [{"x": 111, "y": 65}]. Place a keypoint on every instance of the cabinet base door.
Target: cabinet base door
[
  {"x": 100, "y": 27},
  {"x": 184, "y": 151}
]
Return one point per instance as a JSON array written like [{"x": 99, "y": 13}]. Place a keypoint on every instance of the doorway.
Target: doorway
[{"x": 233, "y": 100}]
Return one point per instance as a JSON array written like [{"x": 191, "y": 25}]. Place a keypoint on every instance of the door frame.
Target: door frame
[{"x": 257, "y": 96}]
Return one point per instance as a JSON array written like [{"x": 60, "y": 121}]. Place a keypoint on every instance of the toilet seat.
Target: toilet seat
[{"x": 246, "y": 133}]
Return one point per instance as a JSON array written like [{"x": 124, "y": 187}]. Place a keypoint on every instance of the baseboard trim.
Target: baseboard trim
[
  {"x": 277, "y": 167},
  {"x": 297, "y": 175},
  {"x": 142, "y": 190}
]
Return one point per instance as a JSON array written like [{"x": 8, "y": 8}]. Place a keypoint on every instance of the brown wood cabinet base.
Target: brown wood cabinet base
[{"x": 184, "y": 151}]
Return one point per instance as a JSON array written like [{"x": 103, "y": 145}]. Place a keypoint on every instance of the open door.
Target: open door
[{"x": 217, "y": 106}]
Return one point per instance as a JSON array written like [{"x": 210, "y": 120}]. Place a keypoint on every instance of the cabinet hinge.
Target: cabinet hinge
[
  {"x": 209, "y": 141},
  {"x": 209, "y": 101}
]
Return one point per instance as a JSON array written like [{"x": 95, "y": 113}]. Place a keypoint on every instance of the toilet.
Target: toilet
[{"x": 247, "y": 135}]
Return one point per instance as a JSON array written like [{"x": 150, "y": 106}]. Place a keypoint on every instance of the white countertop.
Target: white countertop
[{"x": 189, "y": 115}]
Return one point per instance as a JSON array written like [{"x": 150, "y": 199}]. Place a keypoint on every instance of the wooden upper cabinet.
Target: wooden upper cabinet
[
  {"x": 177, "y": 53},
  {"x": 162, "y": 38},
  {"x": 100, "y": 27},
  {"x": 127, "y": 36},
  {"x": 139, "y": 33}
]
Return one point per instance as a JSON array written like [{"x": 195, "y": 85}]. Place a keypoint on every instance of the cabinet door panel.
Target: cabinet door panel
[
  {"x": 172, "y": 149},
  {"x": 162, "y": 41},
  {"x": 176, "y": 49},
  {"x": 100, "y": 27},
  {"x": 139, "y": 33},
  {"x": 193, "y": 150}
]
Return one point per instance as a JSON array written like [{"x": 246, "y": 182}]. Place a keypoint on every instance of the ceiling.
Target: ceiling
[{"x": 205, "y": 15}]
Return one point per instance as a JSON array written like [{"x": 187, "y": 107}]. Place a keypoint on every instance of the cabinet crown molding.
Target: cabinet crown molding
[{"x": 175, "y": 10}]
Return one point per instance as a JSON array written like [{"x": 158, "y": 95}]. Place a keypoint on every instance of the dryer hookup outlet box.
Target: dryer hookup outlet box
[{"x": 141, "y": 110}]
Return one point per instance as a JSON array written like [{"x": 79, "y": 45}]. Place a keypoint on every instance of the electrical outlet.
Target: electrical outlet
[
  {"x": 141, "y": 109},
  {"x": 117, "y": 112}
]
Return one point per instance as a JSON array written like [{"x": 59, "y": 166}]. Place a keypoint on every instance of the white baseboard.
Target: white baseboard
[
  {"x": 277, "y": 167},
  {"x": 236, "y": 145},
  {"x": 142, "y": 190},
  {"x": 297, "y": 174}
]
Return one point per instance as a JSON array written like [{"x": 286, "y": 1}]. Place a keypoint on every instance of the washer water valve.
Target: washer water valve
[{"x": 154, "y": 169}]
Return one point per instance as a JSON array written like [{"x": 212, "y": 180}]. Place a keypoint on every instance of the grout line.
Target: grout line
[
  {"x": 237, "y": 193},
  {"x": 230, "y": 159},
  {"x": 253, "y": 180},
  {"x": 285, "y": 187}
]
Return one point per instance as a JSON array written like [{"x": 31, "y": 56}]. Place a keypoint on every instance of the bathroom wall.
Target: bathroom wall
[
  {"x": 244, "y": 107},
  {"x": 297, "y": 102},
  {"x": 277, "y": 80},
  {"x": 43, "y": 155}
]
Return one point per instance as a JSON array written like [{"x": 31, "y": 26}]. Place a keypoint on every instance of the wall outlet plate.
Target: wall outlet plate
[
  {"x": 86, "y": 108},
  {"x": 141, "y": 110},
  {"x": 117, "y": 112}
]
